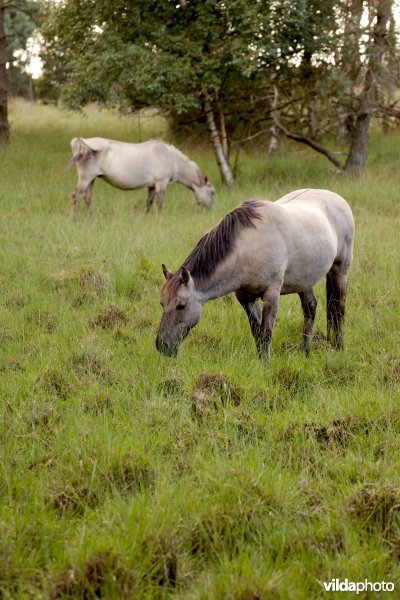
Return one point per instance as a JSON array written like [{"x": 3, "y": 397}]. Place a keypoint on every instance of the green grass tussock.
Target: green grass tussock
[{"x": 124, "y": 474}]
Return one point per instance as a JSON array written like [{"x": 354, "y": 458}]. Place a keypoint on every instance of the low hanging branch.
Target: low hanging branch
[{"x": 304, "y": 140}]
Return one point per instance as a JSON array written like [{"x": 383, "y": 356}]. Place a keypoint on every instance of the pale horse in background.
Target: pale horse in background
[{"x": 152, "y": 164}]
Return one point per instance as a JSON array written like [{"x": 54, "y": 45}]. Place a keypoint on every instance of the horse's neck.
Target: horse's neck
[
  {"x": 187, "y": 172},
  {"x": 221, "y": 283}
]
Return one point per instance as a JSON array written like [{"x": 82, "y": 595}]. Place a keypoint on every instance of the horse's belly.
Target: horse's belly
[
  {"x": 122, "y": 172},
  {"x": 303, "y": 275}
]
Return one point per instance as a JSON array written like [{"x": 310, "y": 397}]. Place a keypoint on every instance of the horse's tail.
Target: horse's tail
[{"x": 81, "y": 152}]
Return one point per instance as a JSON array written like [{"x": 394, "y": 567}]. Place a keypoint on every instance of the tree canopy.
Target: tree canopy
[{"x": 241, "y": 67}]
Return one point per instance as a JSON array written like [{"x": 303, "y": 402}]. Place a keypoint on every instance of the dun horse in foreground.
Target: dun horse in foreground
[
  {"x": 262, "y": 250},
  {"x": 152, "y": 164}
]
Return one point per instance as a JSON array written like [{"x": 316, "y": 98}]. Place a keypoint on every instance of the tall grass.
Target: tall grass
[{"x": 126, "y": 474}]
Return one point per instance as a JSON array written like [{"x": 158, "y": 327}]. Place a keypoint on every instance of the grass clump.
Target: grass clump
[
  {"x": 161, "y": 559},
  {"x": 96, "y": 281},
  {"x": 339, "y": 432},
  {"x": 131, "y": 472},
  {"x": 16, "y": 302},
  {"x": 97, "y": 576},
  {"x": 109, "y": 317},
  {"x": 89, "y": 363},
  {"x": 237, "y": 514},
  {"x": 54, "y": 381},
  {"x": 44, "y": 320},
  {"x": 212, "y": 390},
  {"x": 62, "y": 279},
  {"x": 171, "y": 387},
  {"x": 293, "y": 381},
  {"x": 391, "y": 374},
  {"x": 74, "y": 498},
  {"x": 376, "y": 509}
]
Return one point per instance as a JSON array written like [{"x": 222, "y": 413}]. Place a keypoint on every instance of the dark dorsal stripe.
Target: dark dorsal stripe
[{"x": 218, "y": 243}]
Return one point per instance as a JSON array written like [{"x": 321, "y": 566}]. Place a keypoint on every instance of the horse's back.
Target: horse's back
[
  {"x": 318, "y": 198},
  {"x": 133, "y": 165},
  {"x": 325, "y": 209},
  {"x": 146, "y": 148}
]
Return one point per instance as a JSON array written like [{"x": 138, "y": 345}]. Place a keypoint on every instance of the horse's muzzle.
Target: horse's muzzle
[{"x": 162, "y": 347}]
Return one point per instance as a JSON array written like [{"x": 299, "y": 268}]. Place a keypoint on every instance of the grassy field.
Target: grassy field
[{"x": 124, "y": 474}]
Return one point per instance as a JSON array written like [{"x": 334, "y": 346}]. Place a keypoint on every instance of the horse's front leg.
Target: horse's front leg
[
  {"x": 160, "y": 190},
  {"x": 309, "y": 306},
  {"x": 150, "y": 198},
  {"x": 253, "y": 312},
  {"x": 270, "y": 308}
]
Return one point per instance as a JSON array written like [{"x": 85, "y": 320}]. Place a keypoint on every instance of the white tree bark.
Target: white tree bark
[{"x": 226, "y": 173}]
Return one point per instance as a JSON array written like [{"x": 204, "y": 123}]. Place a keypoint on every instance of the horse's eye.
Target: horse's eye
[{"x": 180, "y": 306}]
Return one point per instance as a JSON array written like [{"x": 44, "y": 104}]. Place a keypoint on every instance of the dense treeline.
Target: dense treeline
[
  {"x": 316, "y": 71},
  {"x": 18, "y": 20}
]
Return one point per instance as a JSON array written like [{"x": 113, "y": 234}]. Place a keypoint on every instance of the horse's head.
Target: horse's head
[
  {"x": 181, "y": 310},
  {"x": 205, "y": 193}
]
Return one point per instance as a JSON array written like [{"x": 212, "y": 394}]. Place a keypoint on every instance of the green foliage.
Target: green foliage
[
  {"x": 150, "y": 53},
  {"x": 172, "y": 56},
  {"x": 20, "y": 21},
  {"x": 124, "y": 474}
]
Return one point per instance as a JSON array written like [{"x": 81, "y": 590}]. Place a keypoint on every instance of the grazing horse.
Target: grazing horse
[
  {"x": 262, "y": 250},
  {"x": 152, "y": 164}
]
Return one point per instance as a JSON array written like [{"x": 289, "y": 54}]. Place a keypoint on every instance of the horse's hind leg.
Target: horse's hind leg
[
  {"x": 309, "y": 306},
  {"x": 253, "y": 313},
  {"x": 88, "y": 196},
  {"x": 336, "y": 283},
  {"x": 75, "y": 199},
  {"x": 82, "y": 189},
  {"x": 150, "y": 198}
]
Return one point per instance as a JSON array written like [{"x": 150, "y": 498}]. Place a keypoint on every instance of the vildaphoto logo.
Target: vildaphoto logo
[{"x": 344, "y": 585}]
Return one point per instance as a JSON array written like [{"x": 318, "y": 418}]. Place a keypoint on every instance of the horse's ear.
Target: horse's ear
[
  {"x": 185, "y": 275},
  {"x": 167, "y": 274}
]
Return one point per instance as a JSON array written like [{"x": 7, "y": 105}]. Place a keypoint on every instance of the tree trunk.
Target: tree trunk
[
  {"x": 274, "y": 130},
  {"x": 222, "y": 127},
  {"x": 226, "y": 173},
  {"x": 4, "y": 126},
  {"x": 368, "y": 101},
  {"x": 390, "y": 84},
  {"x": 351, "y": 66},
  {"x": 224, "y": 135}
]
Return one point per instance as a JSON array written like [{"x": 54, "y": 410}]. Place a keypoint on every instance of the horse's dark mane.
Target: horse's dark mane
[{"x": 218, "y": 243}]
